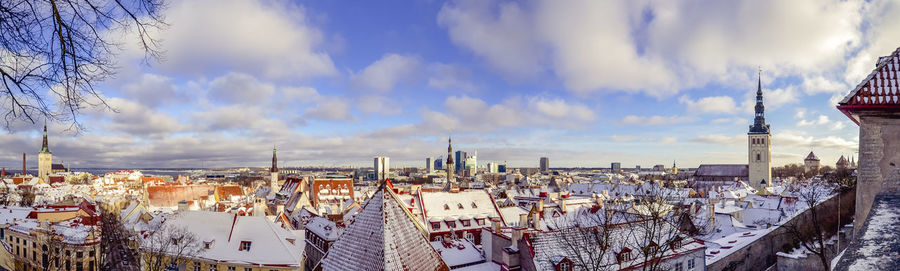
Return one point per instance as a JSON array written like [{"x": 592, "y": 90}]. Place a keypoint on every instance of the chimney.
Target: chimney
[
  {"x": 182, "y": 206},
  {"x": 537, "y": 221},
  {"x": 562, "y": 205},
  {"x": 495, "y": 224},
  {"x": 523, "y": 220},
  {"x": 540, "y": 206},
  {"x": 516, "y": 235}
]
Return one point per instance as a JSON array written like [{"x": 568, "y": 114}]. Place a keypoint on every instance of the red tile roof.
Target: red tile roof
[{"x": 880, "y": 91}]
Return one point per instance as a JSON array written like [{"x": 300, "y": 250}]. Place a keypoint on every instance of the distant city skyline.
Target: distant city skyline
[{"x": 332, "y": 84}]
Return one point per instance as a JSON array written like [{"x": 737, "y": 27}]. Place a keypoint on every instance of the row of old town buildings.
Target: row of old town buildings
[{"x": 451, "y": 214}]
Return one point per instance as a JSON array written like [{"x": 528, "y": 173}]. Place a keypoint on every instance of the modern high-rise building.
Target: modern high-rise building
[
  {"x": 382, "y": 167},
  {"x": 429, "y": 165},
  {"x": 501, "y": 168},
  {"x": 492, "y": 167},
  {"x": 460, "y": 160},
  {"x": 759, "y": 146},
  {"x": 45, "y": 159},
  {"x": 545, "y": 164},
  {"x": 615, "y": 166},
  {"x": 439, "y": 163}
]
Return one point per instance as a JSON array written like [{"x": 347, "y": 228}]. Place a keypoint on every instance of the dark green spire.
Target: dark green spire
[{"x": 46, "y": 147}]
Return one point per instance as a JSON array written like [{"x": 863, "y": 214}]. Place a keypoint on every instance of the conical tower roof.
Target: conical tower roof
[
  {"x": 811, "y": 157},
  {"x": 383, "y": 236}
]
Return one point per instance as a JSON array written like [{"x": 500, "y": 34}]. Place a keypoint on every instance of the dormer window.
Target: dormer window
[
  {"x": 207, "y": 245},
  {"x": 451, "y": 224},
  {"x": 460, "y": 205},
  {"x": 446, "y": 207},
  {"x": 245, "y": 246},
  {"x": 474, "y": 205},
  {"x": 436, "y": 225},
  {"x": 466, "y": 223},
  {"x": 624, "y": 255}
]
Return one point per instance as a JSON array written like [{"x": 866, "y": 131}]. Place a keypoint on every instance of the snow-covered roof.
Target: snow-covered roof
[
  {"x": 383, "y": 236},
  {"x": 270, "y": 245},
  {"x": 458, "y": 252}
]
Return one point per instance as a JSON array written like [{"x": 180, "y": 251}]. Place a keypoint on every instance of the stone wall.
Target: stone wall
[
  {"x": 879, "y": 160},
  {"x": 809, "y": 261},
  {"x": 761, "y": 254}
]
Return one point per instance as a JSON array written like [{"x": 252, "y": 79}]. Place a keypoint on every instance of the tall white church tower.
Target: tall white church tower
[
  {"x": 45, "y": 159},
  {"x": 759, "y": 142}
]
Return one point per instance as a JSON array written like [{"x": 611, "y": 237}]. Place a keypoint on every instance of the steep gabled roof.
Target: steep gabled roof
[
  {"x": 879, "y": 91},
  {"x": 812, "y": 157},
  {"x": 383, "y": 236}
]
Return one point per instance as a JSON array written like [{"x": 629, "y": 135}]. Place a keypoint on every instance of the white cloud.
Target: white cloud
[
  {"x": 658, "y": 47},
  {"x": 450, "y": 77},
  {"x": 668, "y": 140},
  {"x": 239, "y": 88},
  {"x": 794, "y": 139},
  {"x": 270, "y": 39},
  {"x": 378, "y": 105},
  {"x": 384, "y": 74},
  {"x": 801, "y": 113},
  {"x": 136, "y": 119},
  {"x": 713, "y": 105},
  {"x": 331, "y": 108},
  {"x": 655, "y": 120},
  {"x": 622, "y": 138},
  {"x": 732, "y": 121},
  {"x": 720, "y": 139},
  {"x": 499, "y": 34},
  {"x": 151, "y": 90}
]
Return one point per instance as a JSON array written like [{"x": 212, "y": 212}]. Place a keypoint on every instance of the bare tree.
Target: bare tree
[
  {"x": 587, "y": 237},
  {"x": 808, "y": 230},
  {"x": 54, "y": 52},
  {"x": 169, "y": 246},
  {"x": 26, "y": 197}
]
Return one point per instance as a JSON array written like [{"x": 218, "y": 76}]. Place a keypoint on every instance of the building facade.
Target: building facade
[
  {"x": 429, "y": 165},
  {"x": 545, "y": 164},
  {"x": 759, "y": 141}
]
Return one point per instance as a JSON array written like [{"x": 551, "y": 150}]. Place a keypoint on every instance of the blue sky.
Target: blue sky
[{"x": 585, "y": 83}]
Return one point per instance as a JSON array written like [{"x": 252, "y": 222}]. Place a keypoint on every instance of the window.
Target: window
[
  {"x": 479, "y": 221},
  {"x": 79, "y": 254},
  {"x": 691, "y": 264},
  {"x": 196, "y": 266},
  {"x": 213, "y": 267},
  {"x": 79, "y": 266},
  {"x": 245, "y": 246},
  {"x": 466, "y": 223},
  {"x": 91, "y": 266},
  {"x": 460, "y": 205},
  {"x": 451, "y": 224},
  {"x": 91, "y": 253},
  {"x": 679, "y": 267},
  {"x": 232, "y": 268},
  {"x": 248, "y": 269},
  {"x": 435, "y": 225},
  {"x": 470, "y": 237},
  {"x": 446, "y": 207},
  {"x": 565, "y": 266}
]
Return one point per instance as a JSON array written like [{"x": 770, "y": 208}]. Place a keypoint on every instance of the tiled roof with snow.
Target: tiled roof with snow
[
  {"x": 324, "y": 228},
  {"x": 383, "y": 236},
  {"x": 270, "y": 245},
  {"x": 458, "y": 252}
]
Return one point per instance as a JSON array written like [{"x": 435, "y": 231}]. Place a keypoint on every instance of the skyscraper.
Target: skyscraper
[
  {"x": 759, "y": 145},
  {"x": 45, "y": 158},
  {"x": 460, "y": 160},
  {"x": 429, "y": 165},
  {"x": 615, "y": 166},
  {"x": 382, "y": 167},
  {"x": 545, "y": 164}
]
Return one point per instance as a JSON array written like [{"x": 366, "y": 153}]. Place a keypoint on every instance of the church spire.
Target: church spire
[
  {"x": 45, "y": 148},
  {"x": 274, "y": 159},
  {"x": 759, "y": 121}
]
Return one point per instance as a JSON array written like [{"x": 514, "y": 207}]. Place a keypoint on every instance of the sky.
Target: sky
[{"x": 585, "y": 83}]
